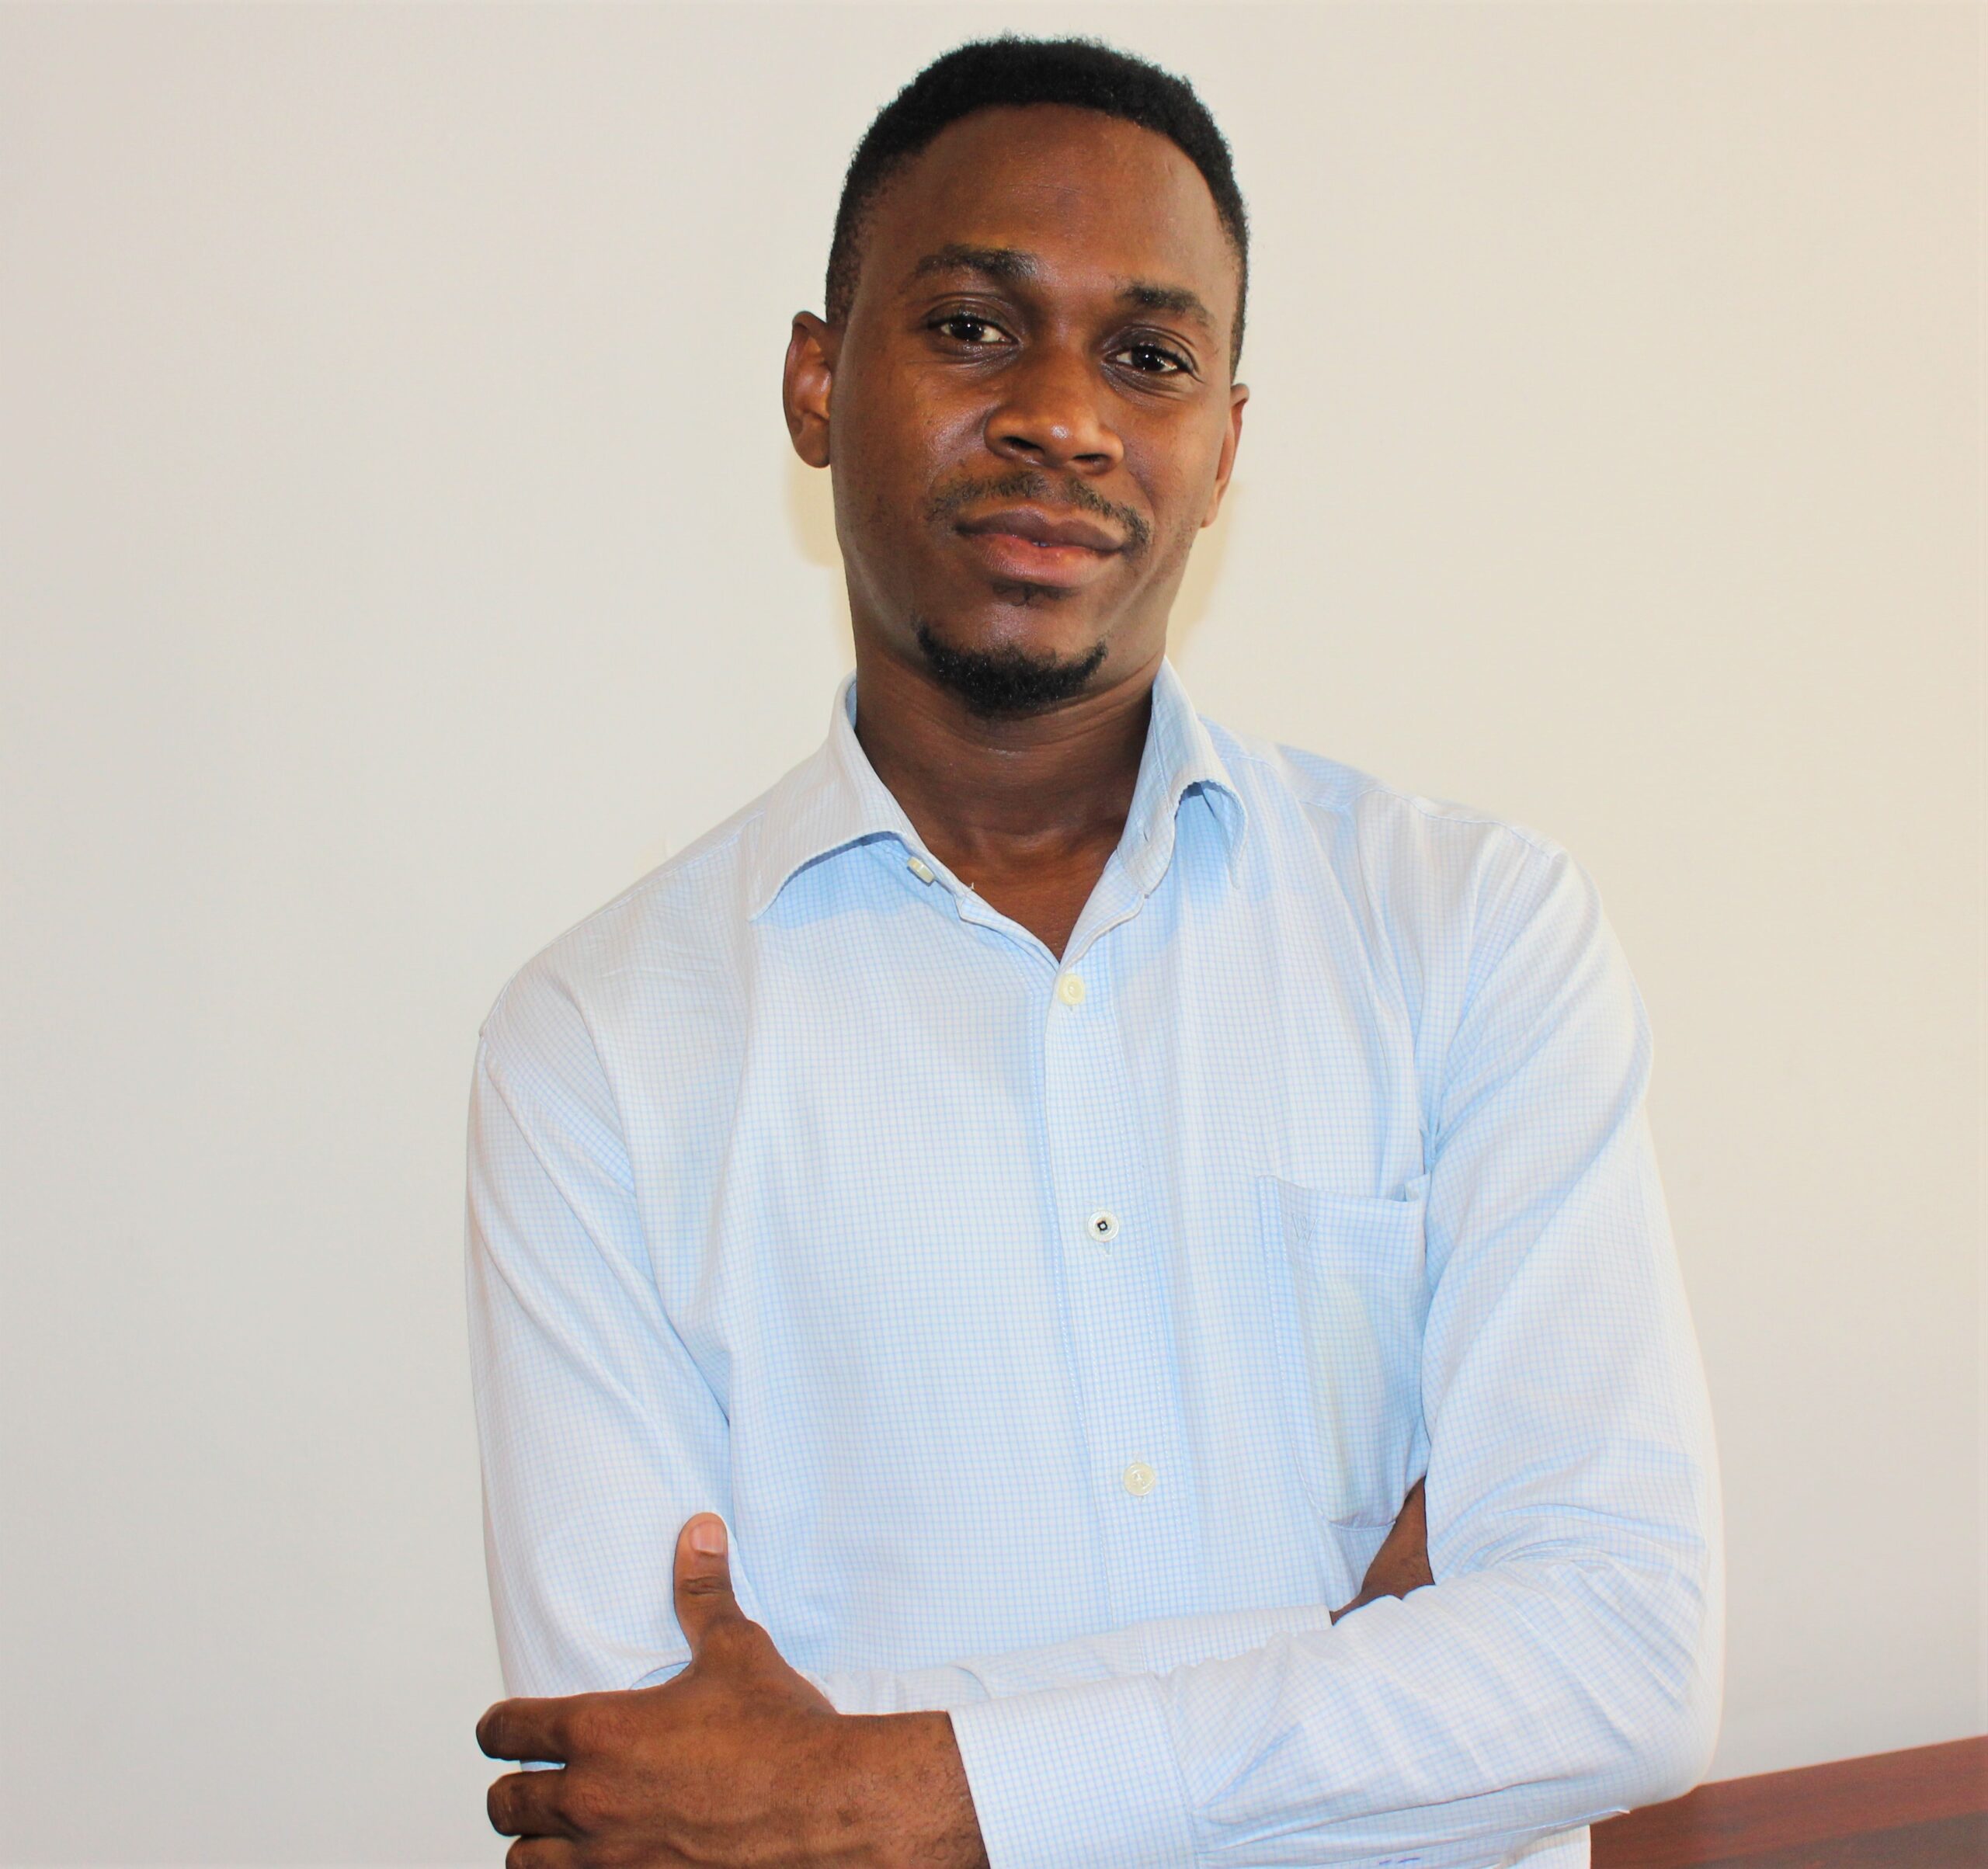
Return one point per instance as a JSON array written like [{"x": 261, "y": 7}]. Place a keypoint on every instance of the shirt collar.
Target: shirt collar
[
  {"x": 834, "y": 800},
  {"x": 1180, "y": 758}
]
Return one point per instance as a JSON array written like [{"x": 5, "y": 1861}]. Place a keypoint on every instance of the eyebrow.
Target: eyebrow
[
  {"x": 990, "y": 262},
  {"x": 1005, "y": 264}
]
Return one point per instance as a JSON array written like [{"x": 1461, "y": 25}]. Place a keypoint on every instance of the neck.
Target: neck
[{"x": 991, "y": 798}]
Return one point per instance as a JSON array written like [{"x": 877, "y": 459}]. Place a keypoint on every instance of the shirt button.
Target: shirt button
[
  {"x": 1139, "y": 1479},
  {"x": 1103, "y": 1227},
  {"x": 922, "y": 869},
  {"x": 1070, "y": 990}
]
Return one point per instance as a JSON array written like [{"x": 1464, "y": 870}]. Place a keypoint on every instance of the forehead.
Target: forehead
[{"x": 1090, "y": 194}]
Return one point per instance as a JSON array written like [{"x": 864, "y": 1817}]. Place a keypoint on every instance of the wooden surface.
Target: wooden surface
[{"x": 1926, "y": 1808}]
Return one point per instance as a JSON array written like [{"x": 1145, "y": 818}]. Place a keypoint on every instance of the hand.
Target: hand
[
  {"x": 1401, "y": 1564},
  {"x": 739, "y": 1761}
]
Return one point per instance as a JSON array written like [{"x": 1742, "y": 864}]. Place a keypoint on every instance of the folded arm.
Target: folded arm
[
  {"x": 1158, "y": 1647},
  {"x": 600, "y": 1437},
  {"x": 1566, "y": 1664}
]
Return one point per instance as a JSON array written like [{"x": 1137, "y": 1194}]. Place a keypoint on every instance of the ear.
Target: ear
[
  {"x": 1238, "y": 394},
  {"x": 804, "y": 386}
]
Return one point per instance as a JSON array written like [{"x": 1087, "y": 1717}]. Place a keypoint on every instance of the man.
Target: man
[{"x": 1055, "y": 1175}]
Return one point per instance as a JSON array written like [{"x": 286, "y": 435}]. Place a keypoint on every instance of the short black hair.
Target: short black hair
[{"x": 986, "y": 74}]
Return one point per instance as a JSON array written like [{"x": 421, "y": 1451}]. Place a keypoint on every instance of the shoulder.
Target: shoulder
[
  {"x": 661, "y": 959},
  {"x": 1483, "y": 923},
  {"x": 1419, "y": 855}
]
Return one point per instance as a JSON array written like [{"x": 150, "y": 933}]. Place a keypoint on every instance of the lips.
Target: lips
[{"x": 1043, "y": 529}]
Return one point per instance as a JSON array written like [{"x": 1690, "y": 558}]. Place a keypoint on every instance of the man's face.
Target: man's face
[{"x": 1028, "y": 409}]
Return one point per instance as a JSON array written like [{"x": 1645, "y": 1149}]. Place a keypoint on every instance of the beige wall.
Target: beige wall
[{"x": 399, "y": 550}]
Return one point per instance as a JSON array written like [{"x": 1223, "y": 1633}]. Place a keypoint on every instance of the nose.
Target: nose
[{"x": 1052, "y": 415}]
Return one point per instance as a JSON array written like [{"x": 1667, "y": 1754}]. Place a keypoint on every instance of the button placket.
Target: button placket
[{"x": 1119, "y": 1332}]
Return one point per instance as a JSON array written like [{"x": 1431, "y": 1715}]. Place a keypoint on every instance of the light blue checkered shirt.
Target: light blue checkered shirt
[{"x": 1059, "y": 1337}]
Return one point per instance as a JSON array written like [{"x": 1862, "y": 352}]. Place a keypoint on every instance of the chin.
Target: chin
[
  {"x": 1029, "y": 620},
  {"x": 1004, "y": 673}
]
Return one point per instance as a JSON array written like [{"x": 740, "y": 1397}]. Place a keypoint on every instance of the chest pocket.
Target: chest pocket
[{"x": 1348, "y": 1277}]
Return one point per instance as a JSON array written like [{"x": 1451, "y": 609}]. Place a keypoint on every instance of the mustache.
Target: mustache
[{"x": 1040, "y": 489}]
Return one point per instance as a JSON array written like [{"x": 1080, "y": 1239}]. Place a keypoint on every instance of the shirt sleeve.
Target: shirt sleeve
[
  {"x": 1157, "y": 1647},
  {"x": 1566, "y": 1664},
  {"x": 599, "y": 1435}
]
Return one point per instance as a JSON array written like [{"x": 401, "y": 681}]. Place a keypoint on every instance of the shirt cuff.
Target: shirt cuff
[{"x": 1077, "y": 1777}]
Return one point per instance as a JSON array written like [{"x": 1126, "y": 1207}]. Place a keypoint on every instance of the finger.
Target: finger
[
  {"x": 704, "y": 1579},
  {"x": 525, "y": 1729},
  {"x": 1415, "y": 1514},
  {"x": 541, "y": 1853},
  {"x": 1407, "y": 1530},
  {"x": 1417, "y": 1504},
  {"x": 526, "y": 1803},
  {"x": 1408, "y": 1544}
]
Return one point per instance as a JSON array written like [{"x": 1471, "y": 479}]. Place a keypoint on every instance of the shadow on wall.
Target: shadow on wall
[
  {"x": 811, "y": 522},
  {"x": 811, "y": 519}
]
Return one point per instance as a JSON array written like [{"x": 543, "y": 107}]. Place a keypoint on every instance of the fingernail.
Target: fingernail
[{"x": 708, "y": 1537}]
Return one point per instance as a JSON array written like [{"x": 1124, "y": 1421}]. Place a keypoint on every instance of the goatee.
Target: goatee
[{"x": 1006, "y": 682}]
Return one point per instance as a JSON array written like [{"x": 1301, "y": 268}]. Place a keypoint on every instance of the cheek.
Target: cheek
[
  {"x": 900, "y": 420},
  {"x": 895, "y": 459},
  {"x": 1188, "y": 530},
  {"x": 1177, "y": 464},
  {"x": 1174, "y": 543},
  {"x": 1178, "y": 503}
]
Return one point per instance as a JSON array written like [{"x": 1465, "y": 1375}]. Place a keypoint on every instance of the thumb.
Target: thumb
[{"x": 704, "y": 1580}]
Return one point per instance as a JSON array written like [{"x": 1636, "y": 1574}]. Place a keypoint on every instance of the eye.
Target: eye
[
  {"x": 1154, "y": 360},
  {"x": 969, "y": 329}
]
